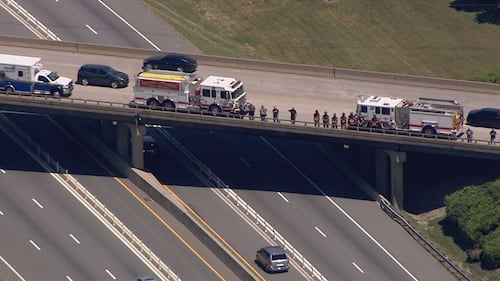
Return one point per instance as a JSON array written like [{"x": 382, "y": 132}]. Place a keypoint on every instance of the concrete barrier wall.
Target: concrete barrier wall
[
  {"x": 154, "y": 189},
  {"x": 329, "y": 72},
  {"x": 414, "y": 80}
]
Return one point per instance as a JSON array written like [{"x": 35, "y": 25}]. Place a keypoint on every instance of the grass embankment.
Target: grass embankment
[{"x": 425, "y": 37}]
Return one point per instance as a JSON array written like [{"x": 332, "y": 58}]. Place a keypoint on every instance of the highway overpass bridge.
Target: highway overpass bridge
[{"x": 123, "y": 127}]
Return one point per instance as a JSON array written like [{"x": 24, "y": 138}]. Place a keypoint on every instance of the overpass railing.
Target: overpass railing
[
  {"x": 441, "y": 257},
  {"x": 140, "y": 109}
]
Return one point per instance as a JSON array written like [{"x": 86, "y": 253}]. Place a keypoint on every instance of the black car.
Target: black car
[
  {"x": 101, "y": 75},
  {"x": 173, "y": 62},
  {"x": 150, "y": 145},
  {"x": 484, "y": 117}
]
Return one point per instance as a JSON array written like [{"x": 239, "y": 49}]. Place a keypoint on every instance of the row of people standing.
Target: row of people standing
[
  {"x": 326, "y": 120},
  {"x": 250, "y": 109}
]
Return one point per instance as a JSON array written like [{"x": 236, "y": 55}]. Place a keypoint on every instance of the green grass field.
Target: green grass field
[{"x": 425, "y": 37}]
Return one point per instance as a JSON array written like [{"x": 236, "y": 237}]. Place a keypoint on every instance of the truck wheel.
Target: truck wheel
[
  {"x": 214, "y": 109},
  {"x": 58, "y": 93},
  {"x": 168, "y": 105},
  {"x": 9, "y": 90},
  {"x": 114, "y": 84},
  {"x": 429, "y": 132},
  {"x": 85, "y": 81},
  {"x": 153, "y": 103}
]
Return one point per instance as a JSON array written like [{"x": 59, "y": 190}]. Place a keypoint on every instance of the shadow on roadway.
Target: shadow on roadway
[
  {"x": 487, "y": 11},
  {"x": 429, "y": 178}
]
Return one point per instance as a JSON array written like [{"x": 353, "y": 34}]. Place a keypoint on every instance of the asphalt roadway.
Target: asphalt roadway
[
  {"x": 297, "y": 190},
  {"x": 62, "y": 215},
  {"x": 112, "y": 22}
]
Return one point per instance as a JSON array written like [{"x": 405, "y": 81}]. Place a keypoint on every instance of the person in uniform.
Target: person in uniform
[
  {"x": 316, "y": 118},
  {"x": 326, "y": 120},
  {"x": 335, "y": 121}
]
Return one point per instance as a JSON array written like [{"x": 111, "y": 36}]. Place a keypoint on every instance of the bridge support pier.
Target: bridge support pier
[
  {"x": 131, "y": 135},
  {"x": 394, "y": 170},
  {"x": 107, "y": 131}
]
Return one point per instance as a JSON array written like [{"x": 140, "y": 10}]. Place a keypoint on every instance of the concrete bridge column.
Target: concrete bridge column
[
  {"x": 381, "y": 172},
  {"x": 137, "y": 132},
  {"x": 389, "y": 163},
  {"x": 122, "y": 140},
  {"x": 107, "y": 128},
  {"x": 397, "y": 159}
]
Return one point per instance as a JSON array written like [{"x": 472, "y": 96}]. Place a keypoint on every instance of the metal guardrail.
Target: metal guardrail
[
  {"x": 457, "y": 271},
  {"x": 386, "y": 206},
  {"x": 33, "y": 24},
  {"x": 92, "y": 200},
  {"x": 247, "y": 209}
]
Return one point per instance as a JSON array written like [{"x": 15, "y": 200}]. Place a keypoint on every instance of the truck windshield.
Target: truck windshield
[
  {"x": 53, "y": 76},
  {"x": 238, "y": 92}
]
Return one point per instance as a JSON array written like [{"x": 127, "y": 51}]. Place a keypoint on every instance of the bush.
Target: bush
[
  {"x": 490, "y": 77},
  {"x": 490, "y": 256},
  {"x": 475, "y": 210}
]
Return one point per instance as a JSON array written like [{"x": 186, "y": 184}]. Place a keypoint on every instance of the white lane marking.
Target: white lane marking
[
  {"x": 36, "y": 202},
  {"x": 356, "y": 266},
  {"x": 129, "y": 25},
  {"x": 74, "y": 238},
  {"x": 110, "y": 274},
  {"x": 1, "y": 213},
  {"x": 69, "y": 278},
  {"x": 283, "y": 197},
  {"x": 246, "y": 163},
  {"x": 320, "y": 232},
  {"x": 91, "y": 29},
  {"x": 3, "y": 171},
  {"x": 12, "y": 268},
  {"x": 35, "y": 245},
  {"x": 340, "y": 209}
]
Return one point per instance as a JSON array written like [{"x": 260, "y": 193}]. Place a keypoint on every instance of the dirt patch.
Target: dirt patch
[{"x": 424, "y": 218}]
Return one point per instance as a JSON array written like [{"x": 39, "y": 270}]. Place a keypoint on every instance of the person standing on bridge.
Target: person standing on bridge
[
  {"x": 469, "y": 133},
  {"x": 276, "y": 113},
  {"x": 343, "y": 121},
  {"x": 263, "y": 113},
  {"x": 335, "y": 121},
  {"x": 293, "y": 115},
  {"x": 316, "y": 118},
  {"x": 493, "y": 135},
  {"x": 326, "y": 120},
  {"x": 251, "y": 111}
]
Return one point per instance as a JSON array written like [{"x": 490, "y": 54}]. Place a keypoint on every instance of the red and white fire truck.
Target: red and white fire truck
[
  {"x": 426, "y": 115},
  {"x": 185, "y": 91}
]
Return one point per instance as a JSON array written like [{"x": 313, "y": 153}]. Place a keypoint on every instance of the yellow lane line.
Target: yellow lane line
[
  {"x": 215, "y": 233},
  {"x": 170, "y": 228}
]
